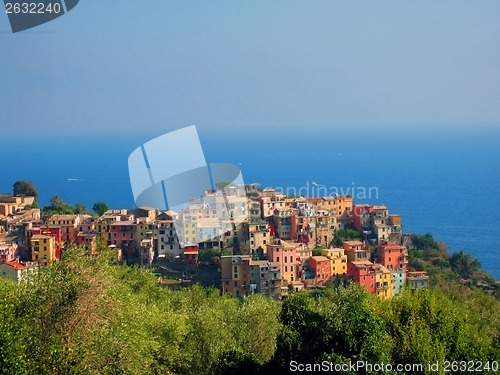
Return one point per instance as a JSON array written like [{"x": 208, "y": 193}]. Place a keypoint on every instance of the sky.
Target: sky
[{"x": 284, "y": 66}]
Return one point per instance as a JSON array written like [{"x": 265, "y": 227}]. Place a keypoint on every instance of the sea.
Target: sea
[{"x": 443, "y": 183}]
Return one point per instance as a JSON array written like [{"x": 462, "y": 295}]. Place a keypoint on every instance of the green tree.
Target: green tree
[
  {"x": 100, "y": 208},
  {"x": 25, "y": 188},
  {"x": 56, "y": 202},
  {"x": 425, "y": 242},
  {"x": 464, "y": 264},
  {"x": 80, "y": 209}
]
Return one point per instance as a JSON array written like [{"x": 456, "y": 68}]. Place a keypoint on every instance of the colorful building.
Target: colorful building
[
  {"x": 321, "y": 266},
  {"x": 8, "y": 252},
  {"x": 338, "y": 261},
  {"x": 108, "y": 218},
  {"x": 15, "y": 271},
  {"x": 392, "y": 256},
  {"x": 43, "y": 249},
  {"x": 356, "y": 250},
  {"x": 235, "y": 275},
  {"x": 68, "y": 224},
  {"x": 285, "y": 254},
  {"x": 168, "y": 241},
  {"x": 190, "y": 255},
  {"x": 362, "y": 273},
  {"x": 361, "y": 217},
  {"x": 383, "y": 281},
  {"x": 53, "y": 231},
  {"x": 398, "y": 281},
  {"x": 265, "y": 278},
  {"x": 123, "y": 236}
]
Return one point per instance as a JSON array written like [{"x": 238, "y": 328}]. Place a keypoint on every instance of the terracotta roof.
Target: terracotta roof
[{"x": 16, "y": 265}]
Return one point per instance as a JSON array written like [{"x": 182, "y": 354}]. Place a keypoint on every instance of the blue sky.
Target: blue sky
[{"x": 129, "y": 67}]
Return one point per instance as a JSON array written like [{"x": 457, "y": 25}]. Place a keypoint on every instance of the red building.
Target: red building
[
  {"x": 392, "y": 256},
  {"x": 52, "y": 231},
  {"x": 361, "y": 216},
  {"x": 321, "y": 267},
  {"x": 363, "y": 273},
  {"x": 123, "y": 235},
  {"x": 190, "y": 255}
]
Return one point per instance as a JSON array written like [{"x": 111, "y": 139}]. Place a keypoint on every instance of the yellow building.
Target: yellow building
[
  {"x": 43, "y": 248},
  {"x": 189, "y": 228},
  {"x": 383, "y": 282},
  {"x": 338, "y": 261}
]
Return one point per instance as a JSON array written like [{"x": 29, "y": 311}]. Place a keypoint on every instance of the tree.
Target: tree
[
  {"x": 80, "y": 208},
  {"x": 100, "y": 208},
  {"x": 25, "y": 188},
  {"x": 56, "y": 202},
  {"x": 425, "y": 242},
  {"x": 464, "y": 264}
]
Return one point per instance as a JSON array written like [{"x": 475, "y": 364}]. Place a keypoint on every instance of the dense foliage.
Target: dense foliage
[
  {"x": 85, "y": 315},
  {"x": 346, "y": 234},
  {"x": 24, "y": 188},
  {"x": 59, "y": 207},
  {"x": 100, "y": 208},
  {"x": 426, "y": 254}
]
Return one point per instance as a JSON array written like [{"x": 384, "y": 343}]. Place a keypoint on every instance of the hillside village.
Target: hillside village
[{"x": 280, "y": 244}]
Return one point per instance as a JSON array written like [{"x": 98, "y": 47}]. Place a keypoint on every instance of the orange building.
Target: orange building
[
  {"x": 392, "y": 256},
  {"x": 321, "y": 266}
]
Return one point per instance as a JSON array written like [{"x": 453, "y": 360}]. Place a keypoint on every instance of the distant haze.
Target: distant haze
[{"x": 121, "y": 67}]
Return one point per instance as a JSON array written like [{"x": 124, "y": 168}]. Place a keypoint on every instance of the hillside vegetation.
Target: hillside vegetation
[{"x": 85, "y": 315}]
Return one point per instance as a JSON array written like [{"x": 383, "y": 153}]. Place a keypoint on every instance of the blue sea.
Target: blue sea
[{"x": 444, "y": 183}]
